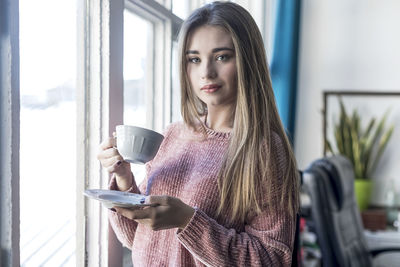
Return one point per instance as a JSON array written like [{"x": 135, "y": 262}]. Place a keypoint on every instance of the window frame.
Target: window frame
[
  {"x": 100, "y": 47},
  {"x": 100, "y": 108},
  {"x": 166, "y": 26},
  {"x": 9, "y": 134}
]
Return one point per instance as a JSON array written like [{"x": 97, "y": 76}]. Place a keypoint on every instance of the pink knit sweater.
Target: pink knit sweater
[{"x": 186, "y": 167}]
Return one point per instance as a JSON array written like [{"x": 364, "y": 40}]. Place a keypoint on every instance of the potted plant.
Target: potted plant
[{"x": 363, "y": 146}]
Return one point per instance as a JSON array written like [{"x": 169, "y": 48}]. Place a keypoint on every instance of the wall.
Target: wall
[{"x": 345, "y": 45}]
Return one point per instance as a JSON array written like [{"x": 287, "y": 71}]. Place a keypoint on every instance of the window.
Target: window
[
  {"x": 125, "y": 78},
  {"x": 138, "y": 74},
  {"x": 114, "y": 85},
  {"x": 47, "y": 132}
]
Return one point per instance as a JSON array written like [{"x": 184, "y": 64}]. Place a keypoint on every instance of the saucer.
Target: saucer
[{"x": 113, "y": 198}]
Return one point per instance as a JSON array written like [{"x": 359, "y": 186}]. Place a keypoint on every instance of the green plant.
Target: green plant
[{"x": 364, "y": 147}]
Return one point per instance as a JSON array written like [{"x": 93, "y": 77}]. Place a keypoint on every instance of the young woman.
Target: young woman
[{"x": 224, "y": 183}]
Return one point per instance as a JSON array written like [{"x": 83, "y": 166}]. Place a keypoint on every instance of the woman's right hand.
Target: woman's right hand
[{"x": 114, "y": 163}]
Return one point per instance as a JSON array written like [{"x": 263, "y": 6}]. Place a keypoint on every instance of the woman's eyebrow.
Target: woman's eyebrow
[
  {"x": 192, "y": 52},
  {"x": 215, "y": 50}
]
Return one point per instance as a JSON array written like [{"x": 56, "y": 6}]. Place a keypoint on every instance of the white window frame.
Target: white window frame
[
  {"x": 100, "y": 108},
  {"x": 99, "y": 70},
  {"x": 166, "y": 26},
  {"x": 9, "y": 133}
]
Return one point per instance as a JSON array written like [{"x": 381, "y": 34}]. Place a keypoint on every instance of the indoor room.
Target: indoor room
[{"x": 200, "y": 133}]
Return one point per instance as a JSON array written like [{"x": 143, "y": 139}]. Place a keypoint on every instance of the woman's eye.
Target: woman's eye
[
  {"x": 222, "y": 57},
  {"x": 194, "y": 60}
]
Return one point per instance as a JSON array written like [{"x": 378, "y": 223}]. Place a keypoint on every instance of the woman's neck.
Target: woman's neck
[{"x": 220, "y": 120}]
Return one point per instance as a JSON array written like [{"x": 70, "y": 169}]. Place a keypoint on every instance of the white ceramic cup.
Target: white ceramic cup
[{"x": 136, "y": 144}]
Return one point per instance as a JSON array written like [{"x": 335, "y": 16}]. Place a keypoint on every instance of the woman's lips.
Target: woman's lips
[{"x": 210, "y": 88}]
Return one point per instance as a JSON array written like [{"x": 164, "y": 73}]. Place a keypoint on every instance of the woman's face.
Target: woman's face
[{"x": 211, "y": 66}]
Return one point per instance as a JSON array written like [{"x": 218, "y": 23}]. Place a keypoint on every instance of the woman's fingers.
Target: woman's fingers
[
  {"x": 165, "y": 212},
  {"x": 137, "y": 214},
  {"x": 160, "y": 200},
  {"x": 107, "y": 143},
  {"x": 106, "y": 148},
  {"x": 109, "y": 158},
  {"x": 109, "y": 153},
  {"x": 116, "y": 164}
]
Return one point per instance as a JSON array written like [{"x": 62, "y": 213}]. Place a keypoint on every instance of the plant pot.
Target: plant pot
[{"x": 362, "y": 190}]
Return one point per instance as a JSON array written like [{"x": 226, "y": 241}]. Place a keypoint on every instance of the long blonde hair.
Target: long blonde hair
[{"x": 248, "y": 163}]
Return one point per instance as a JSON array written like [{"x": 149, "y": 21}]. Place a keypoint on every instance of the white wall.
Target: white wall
[{"x": 346, "y": 45}]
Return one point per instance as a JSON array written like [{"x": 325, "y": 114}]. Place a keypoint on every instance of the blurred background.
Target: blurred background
[{"x": 317, "y": 51}]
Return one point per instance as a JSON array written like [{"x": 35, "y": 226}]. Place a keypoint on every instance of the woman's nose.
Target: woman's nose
[{"x": 209, "y": 71}]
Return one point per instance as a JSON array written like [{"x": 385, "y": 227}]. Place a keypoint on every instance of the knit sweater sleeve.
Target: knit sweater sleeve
[
  {"x": 267, "y": 239},
  {"x": 123, "y": 227}
]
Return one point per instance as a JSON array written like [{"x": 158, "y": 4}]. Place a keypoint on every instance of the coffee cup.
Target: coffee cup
[{"x": 136, "y": 144}]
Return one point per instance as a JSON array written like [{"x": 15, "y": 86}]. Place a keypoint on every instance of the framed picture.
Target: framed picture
[{"x": 368, "y": 105}]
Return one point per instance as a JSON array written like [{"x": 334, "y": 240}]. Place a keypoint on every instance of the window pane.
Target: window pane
[
  {"x": 165, "y": 3},
  {"x": 138, "y": 72},
  {"x": 181, "y": 8},
  {"x": 176, "y": 90},
  {"x": 47, "y": 148}
]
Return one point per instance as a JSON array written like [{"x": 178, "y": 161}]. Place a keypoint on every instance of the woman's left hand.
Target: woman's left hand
[{"x": 165, "y": 212}]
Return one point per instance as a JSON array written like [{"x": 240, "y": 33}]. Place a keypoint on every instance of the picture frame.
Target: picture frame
[
  {"x": 369, "y": 104},
  {"x": 366, "y": 101}
]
